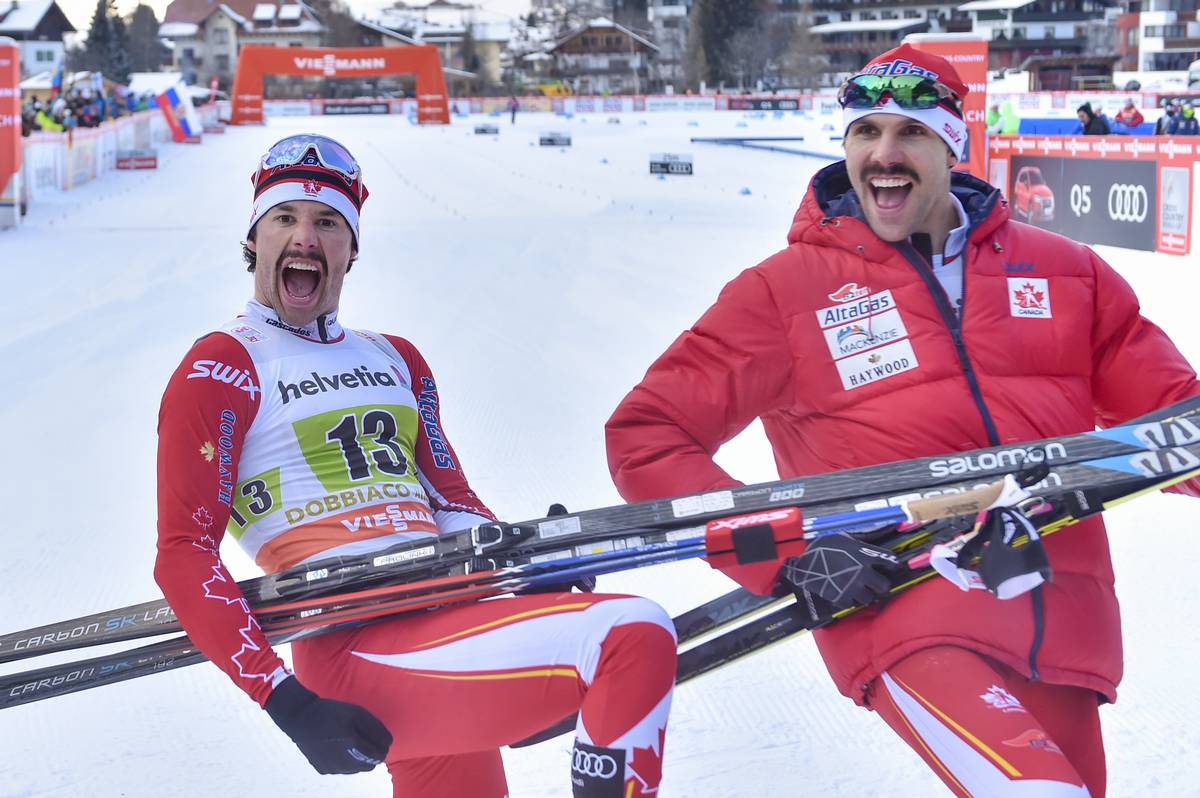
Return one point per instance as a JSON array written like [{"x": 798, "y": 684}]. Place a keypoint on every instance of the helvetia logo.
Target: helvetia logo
[{"x": 361, "y": 377}]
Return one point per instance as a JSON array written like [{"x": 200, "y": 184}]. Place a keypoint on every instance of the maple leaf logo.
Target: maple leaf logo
[
  {"x": 208, "y": 450},
  {"x": 646, "y": 767},
  {"x": 1029, "y": 297},
  {"x": 202, "y": 517}
]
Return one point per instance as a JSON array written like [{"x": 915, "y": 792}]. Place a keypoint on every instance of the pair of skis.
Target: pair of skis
[{"x": 1111, "y": 465}]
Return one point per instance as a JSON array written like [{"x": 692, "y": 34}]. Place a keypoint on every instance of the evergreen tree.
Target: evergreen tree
[
  {"x": 118, "y": 64},
  {"x": 341, "y": 29},
  {"x": 99, "y": 38},
  {"x": 713, "y": 26},
  {"x": 146, "y": 52}
]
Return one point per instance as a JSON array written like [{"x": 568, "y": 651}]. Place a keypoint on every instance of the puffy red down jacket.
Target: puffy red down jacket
[{"x": 848, "y": 350}]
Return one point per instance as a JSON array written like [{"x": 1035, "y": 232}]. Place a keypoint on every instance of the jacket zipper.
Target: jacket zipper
[{"x": 954, "y": 323}]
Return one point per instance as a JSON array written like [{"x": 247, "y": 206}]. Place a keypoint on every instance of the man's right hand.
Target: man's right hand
[{"x": 334, "y": 736}]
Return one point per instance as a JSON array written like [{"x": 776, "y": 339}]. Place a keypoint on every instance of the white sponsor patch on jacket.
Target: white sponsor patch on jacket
[
  {"x": 866, "y": 333},
  {"x": 1029, "y": 297},
  {"x": 847, "y": 312},
  {"x": 876, "y": 364}
]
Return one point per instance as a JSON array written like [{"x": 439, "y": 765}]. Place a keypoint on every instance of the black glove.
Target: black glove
[
  {"x": 585, "y": 584},
  {"x": 335, "y": 737},
  {"x": 843, "y": 571}
]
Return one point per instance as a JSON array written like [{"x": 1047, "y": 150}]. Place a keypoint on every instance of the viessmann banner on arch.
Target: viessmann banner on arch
[
  {"x": 1133, "y": 192},
  {"x": 255, "y": 61}
]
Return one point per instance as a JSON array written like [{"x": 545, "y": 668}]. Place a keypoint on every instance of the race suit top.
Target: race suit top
[{"x": 301, "y": 443}]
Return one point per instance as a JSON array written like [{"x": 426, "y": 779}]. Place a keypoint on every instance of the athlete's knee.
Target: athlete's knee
[{"x": 629, "y": 610}]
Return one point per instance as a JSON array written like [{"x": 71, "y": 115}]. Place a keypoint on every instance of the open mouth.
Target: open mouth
[
  {"x": 301, "y": 280},
  {"x": 890, "y": 193}
]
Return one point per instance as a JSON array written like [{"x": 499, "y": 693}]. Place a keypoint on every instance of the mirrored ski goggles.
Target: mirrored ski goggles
[
  {"x": 310, "y": 149},
  {"x": 911, "y": 92}
]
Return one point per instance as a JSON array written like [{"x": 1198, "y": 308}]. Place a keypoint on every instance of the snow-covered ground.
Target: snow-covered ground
[{"x": 539, "y": 283}]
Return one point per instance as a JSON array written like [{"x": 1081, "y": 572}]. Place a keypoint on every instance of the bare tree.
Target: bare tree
[{"x": 803, "y": 65}]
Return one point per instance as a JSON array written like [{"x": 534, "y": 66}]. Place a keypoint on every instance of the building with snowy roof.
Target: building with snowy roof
[
  {"x": 206, "y": 35},
  {"x": 38, "y": 27}
]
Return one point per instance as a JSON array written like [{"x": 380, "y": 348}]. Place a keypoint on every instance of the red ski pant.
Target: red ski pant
[
  {"x": 455, "y": 684},
  {"x": 988, "y": 732}
]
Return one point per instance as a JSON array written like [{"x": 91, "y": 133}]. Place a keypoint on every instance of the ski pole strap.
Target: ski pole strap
[
  {"x": 750, "y": 549},
  {"x": 1011, "y": 558}
]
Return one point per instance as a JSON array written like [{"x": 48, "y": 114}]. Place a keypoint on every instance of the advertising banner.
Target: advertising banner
[
  {"x": 353, "y": 108},
  {"x": 1090, "y": 200},
  {"x": 764, "y": 104},
  {"x": 1119, "y": 190},
  {"x": 10, "y": 118},
  {"x": 969, "y": 56}
]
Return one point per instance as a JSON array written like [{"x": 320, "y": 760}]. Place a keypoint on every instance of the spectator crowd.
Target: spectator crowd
[{"x": 80, "y": 108}]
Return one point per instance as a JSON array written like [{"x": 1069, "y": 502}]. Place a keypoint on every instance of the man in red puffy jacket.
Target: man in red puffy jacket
[{"x": 909, "y": 316}]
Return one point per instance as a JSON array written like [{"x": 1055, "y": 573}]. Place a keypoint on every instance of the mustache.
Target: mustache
[
  {"x": 894, "y": 171},
  {"x": 317, "y": 256}
]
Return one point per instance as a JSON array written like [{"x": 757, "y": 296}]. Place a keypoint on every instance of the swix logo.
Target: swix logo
[
  {"x": 954, "y": 135},
  {"x": 1003, "y": 460},
  {"x": 216, "y": 370},
  {"x": 848, "y": 292},
  {"x": 1029, "y": 298},
  {"x": 740, "y": 521}
]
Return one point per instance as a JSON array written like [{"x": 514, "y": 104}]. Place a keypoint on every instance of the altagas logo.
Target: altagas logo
[
  {"x": 1003, "y": 460},
  {"x": 216, "y": 370},
  {"x": 901, "y": 66}
]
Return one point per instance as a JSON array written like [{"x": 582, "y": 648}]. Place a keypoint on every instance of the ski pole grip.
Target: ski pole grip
[{"x": 954, "y": 504}]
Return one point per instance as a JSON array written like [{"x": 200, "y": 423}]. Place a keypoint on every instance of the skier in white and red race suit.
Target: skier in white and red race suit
[
  {"x": 910, "y": 316},
  {"x": 303, "y": 439}
]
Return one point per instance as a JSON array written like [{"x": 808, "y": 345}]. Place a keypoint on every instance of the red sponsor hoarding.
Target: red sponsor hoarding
[
  {"x": 10, "y": 111},
  {"x": 968, "y": 55},
  {"x": 1134, "y": 192}
]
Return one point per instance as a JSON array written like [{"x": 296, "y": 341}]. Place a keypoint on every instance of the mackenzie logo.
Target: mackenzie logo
[
  {"x": 848, "y": 292},
  {"x": 359, "y": 378}
]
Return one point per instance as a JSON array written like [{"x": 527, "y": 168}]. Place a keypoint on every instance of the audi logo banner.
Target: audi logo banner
[{"x": 1090, "y": 200}]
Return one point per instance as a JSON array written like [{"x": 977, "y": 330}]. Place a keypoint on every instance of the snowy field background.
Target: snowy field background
[{"x": 539, "y": 283}]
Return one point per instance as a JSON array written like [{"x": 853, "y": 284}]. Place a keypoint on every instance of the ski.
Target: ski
[
  {"x": 499, "y": 545},
  {"x": 786, "y": 619},
  {"x": 1115, "y": 478}
]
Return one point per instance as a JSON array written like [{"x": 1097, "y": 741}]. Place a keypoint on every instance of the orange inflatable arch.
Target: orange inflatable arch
[{"x": 256, "y": 60}]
